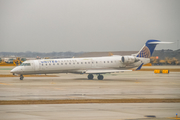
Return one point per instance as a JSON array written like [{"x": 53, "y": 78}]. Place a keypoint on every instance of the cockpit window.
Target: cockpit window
[{"x": 25, "y": 64}]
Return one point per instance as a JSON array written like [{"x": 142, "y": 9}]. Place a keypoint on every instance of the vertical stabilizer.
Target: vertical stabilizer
[{"x": 148, "y": 49}]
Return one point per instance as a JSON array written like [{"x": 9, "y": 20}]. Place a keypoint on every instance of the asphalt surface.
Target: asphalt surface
[
  {"x": 117, "y": 111},
  {"x": 126, "y": 85}
]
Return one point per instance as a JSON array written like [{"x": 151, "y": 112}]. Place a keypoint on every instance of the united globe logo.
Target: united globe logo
[{"x": 145, "y": 52}]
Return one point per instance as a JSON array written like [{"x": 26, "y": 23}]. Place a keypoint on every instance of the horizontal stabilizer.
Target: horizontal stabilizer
[{"x": 160, "y": 42}]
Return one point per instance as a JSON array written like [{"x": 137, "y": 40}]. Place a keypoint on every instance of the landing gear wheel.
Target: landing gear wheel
[
  {"x": 90, "y": 76},
  {"x": 21, "y": 77},
  {"x": 100, "y": 77}
]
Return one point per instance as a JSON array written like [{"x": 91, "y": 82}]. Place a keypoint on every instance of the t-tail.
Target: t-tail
[{"x": 148, "y": 49}]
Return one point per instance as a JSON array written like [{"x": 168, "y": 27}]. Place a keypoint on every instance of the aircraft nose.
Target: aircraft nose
[{"x": 14, "y": 70}]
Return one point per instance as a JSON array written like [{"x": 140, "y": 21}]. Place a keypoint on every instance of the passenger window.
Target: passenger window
[
  {"x": 77, "y": 62},
  {"x": 104, "y": 61},
  {"x": 57, "y": 63},
  {"x": 107, "y": 61},
  {"x": 111, "y": 61},
  {"x": 49, "y": 64},
  {"x": 96, "y": 62},
  {"x": 81, "y": 62},
  {"x": 65, "y": 63},
  {"x": 54, "y": 64},
  {"x": 69, "y": 63},
  {"x": 88, "y": 62},
  {"x": 61, "y": 63}
]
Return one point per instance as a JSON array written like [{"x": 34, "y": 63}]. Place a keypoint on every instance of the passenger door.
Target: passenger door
[{"x": 36, "y": 65}]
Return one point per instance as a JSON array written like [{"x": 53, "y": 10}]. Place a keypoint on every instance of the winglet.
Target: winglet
[{"x": 139, "y": 67}]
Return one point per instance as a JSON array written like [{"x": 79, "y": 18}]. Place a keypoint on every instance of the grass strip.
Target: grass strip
[{"x": 84, "y": 101}]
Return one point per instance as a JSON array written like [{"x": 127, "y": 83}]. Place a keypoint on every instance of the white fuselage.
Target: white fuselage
[{"x": 75, "y": 65}]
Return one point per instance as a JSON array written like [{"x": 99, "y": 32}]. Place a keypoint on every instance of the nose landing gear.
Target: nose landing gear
[{"x": 21, "y": 77}]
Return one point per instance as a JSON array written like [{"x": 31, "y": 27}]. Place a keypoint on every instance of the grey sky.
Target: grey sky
[{"x": 87, "y": 25}]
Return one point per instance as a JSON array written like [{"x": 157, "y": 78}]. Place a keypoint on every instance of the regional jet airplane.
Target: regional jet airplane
[{"x": 91, "y": 65}]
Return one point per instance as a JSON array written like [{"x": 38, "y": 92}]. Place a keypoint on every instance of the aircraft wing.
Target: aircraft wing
[{"x": 104, "y": 71}]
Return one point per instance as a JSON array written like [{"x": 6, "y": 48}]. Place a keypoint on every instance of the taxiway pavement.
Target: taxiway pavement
[{"x": 126, "y": 85}]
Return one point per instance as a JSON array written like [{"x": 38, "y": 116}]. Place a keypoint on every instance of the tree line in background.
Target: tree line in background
[
  {"x": 162, "y": 54},
  {"x": 29, "y": 54}
]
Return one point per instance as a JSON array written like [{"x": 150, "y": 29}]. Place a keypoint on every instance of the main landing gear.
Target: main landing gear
[
  {"x": 90, "y": 76},
  {"x": 21, "y": 77},
  {"x": 100, "y": 77}
]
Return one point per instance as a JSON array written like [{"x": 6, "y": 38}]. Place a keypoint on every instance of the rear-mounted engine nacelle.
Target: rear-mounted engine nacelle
[{"x": 129, "y": 59}]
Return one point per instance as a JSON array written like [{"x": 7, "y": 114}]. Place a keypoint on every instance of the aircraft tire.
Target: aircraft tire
[
  {"x": 100, "y": 77},
  {"x": 90, "y": 76},
  {"x": 21, "y": 77}
]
